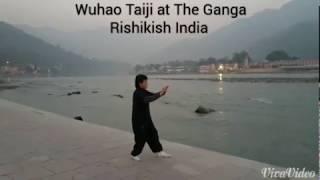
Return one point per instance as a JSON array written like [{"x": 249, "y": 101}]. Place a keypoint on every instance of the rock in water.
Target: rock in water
[
  {"x": 118, "y": 95},
  {"x": 73, "y": 93},
  {"x": 94, "y": 92},
  {"x": 79, "y": 118},
  {"x": 76, "y": 92},
  {"x": 204, "y": 110}
]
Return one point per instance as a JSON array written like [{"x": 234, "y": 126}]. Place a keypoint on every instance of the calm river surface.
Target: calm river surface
[{"x": 276, "y": 123}]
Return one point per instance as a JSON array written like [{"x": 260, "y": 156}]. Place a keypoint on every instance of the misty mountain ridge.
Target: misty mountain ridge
[
  {"x": 300, "y": 40},
  {"x": 23, "y": 49},
  {"x": 248, "y": 34},
  {"x": 245, "y": 33},
  {"x": 98, "y": 43}
]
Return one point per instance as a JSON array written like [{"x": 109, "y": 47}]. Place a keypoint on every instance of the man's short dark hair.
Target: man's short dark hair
[{"x": 139, "y": 79}]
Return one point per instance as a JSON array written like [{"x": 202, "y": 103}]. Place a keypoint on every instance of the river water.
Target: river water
[{"x": 275, "y": 123}]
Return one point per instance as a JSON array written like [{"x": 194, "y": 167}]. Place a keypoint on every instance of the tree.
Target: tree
[
  {"x": 279, "y": 55},
  {"x": 212, "y": 60},
  {"x": 138, "y": 68},
  {"x": 240, "y": 57}
]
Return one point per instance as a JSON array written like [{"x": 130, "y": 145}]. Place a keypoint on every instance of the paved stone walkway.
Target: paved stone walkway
[{"x": 40, "y": 145}]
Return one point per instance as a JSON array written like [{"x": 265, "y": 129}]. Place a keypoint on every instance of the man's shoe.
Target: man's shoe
[
  {"x": 136, "y": 158},
  {"x": 163, "y": 154}
]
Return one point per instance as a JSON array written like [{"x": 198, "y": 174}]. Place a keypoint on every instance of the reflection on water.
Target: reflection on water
[
  {"x": 270, "y": 122},
  {"x": 260, "y": 75},
  {"x": 220, "y": 77},
  {"x": 220, "y": 90}
]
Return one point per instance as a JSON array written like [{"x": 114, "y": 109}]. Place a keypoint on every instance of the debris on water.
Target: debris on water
[
  {"x": 118, "y": 95},
  {"x": 39, "y": 158},
  {"x": 94, "y": 92},
  {"x": 79, "y": 118},
  {"x": 261, "y": 100},
  {"x": 204, "y": 110}
]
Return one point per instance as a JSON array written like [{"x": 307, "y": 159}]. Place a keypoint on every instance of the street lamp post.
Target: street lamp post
[{"x": 7, "y": 69}]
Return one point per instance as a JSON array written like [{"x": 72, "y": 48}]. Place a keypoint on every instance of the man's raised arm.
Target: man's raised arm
[{"x": 154, "y": 96}]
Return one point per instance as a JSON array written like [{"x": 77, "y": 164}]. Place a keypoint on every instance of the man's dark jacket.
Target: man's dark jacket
[{"x": 141, "y": 116}]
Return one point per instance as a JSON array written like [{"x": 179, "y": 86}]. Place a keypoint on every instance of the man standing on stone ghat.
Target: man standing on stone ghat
[{"x": 143, "y": 127}]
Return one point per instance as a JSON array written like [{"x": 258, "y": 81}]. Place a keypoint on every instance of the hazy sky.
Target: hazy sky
[{"x": 61, "y": 14}]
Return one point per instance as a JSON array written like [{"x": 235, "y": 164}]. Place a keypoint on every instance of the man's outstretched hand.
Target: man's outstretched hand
[{"x": 164, "y": 91}]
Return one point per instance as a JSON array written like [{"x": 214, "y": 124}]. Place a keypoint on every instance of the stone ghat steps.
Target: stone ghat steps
[{"x": 41, "y": 145}]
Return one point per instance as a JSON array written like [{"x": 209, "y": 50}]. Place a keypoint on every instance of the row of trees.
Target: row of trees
[{"x": 279, "y": 55}]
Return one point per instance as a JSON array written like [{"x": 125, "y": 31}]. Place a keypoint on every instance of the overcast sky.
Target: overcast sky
[{"x": 61, "y": 14}]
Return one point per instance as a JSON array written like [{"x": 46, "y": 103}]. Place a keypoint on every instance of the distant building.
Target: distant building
[
  {"x": 179, "y": 69},
  {"x": 175, "y": 69},
  {"x": 213, "y": 68},
  {"x": 205, "y": 69},
  {"x": 231, "y": 67},
  {"x": 246, "y": 62},
  {"x": 12, "y": 70}
]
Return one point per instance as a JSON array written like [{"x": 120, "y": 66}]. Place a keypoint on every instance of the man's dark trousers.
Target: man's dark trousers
[{"x": 145, "y": 134}]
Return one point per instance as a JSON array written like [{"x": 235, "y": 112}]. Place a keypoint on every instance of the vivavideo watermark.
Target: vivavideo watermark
[{"x": 297, "y": 173}]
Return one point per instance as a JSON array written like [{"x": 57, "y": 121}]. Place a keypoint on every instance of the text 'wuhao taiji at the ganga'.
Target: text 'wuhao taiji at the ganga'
[{"x": 146, "y": 10}]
